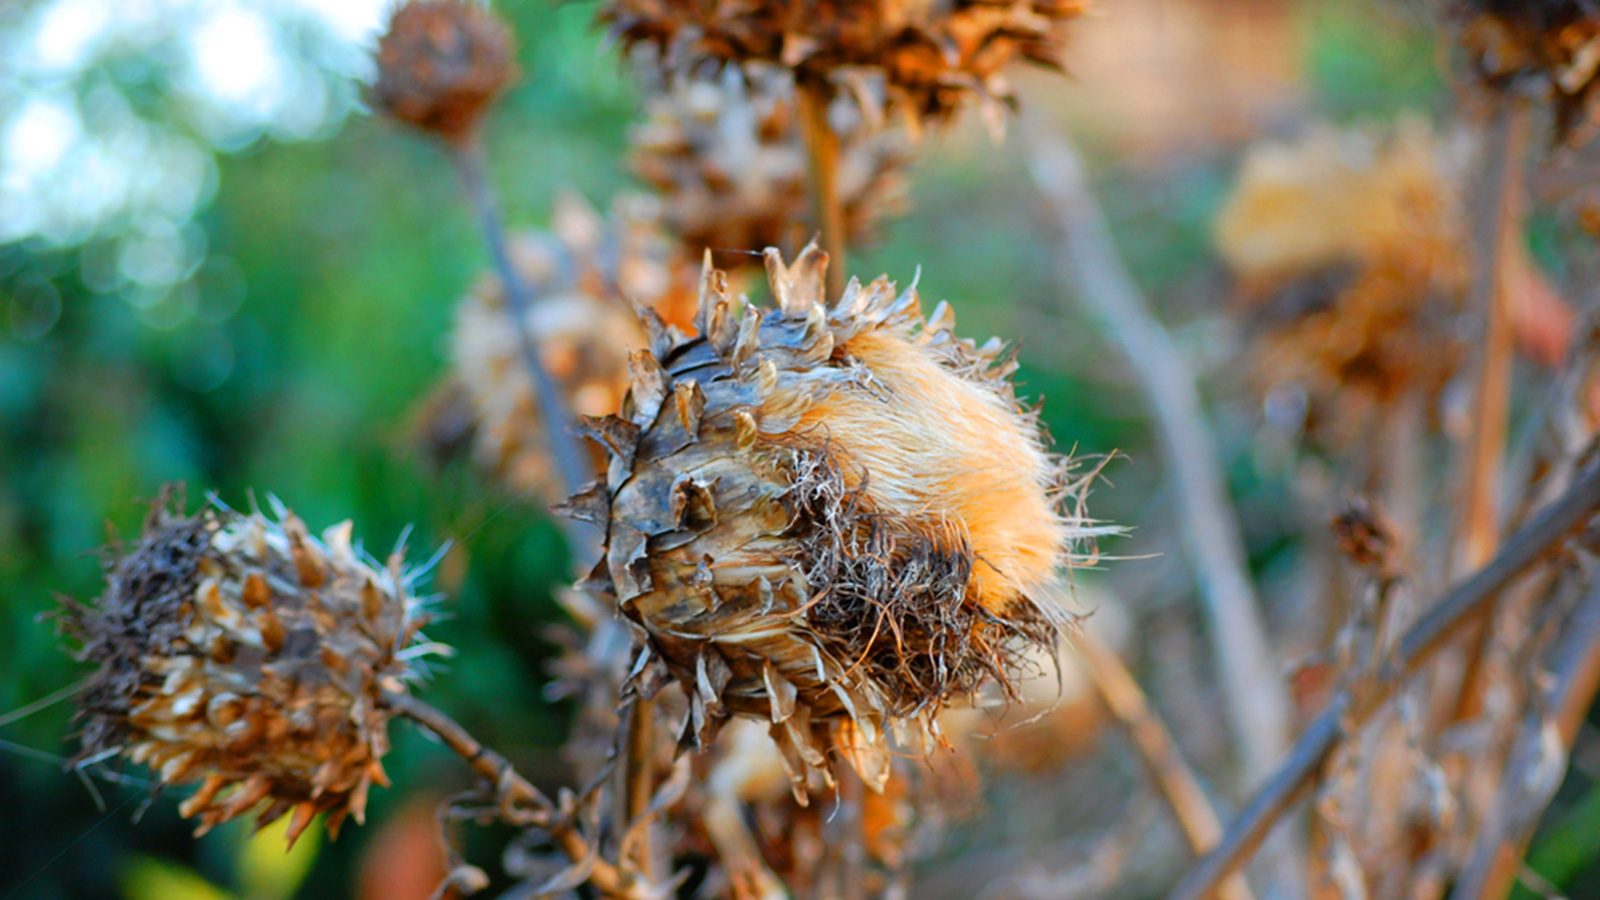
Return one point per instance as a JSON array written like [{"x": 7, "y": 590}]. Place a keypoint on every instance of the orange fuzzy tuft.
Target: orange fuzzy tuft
[{"x": 940, "y": 447}]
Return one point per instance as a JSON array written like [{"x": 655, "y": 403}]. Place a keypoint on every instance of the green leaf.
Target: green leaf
[{"x": 148, "y": 878}]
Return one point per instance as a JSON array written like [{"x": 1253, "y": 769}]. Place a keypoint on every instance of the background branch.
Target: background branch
[
  {"x": 1350, "y": 707},
  {"x": 1258, "y": 706}
]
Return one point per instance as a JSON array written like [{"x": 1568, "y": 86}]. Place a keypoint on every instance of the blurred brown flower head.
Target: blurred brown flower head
[
  {"x": 1350, "y": 259},
  {"x": 249, "y": 656},
  {"x": 588, "y": 277},
  {"x": 441, "y": 64},
  {"x": 832, "y": 516},
  {"x": 725, "y": 153},
  {"x": 922, "y": 59},
  {"x": 1546, "y": 48}
]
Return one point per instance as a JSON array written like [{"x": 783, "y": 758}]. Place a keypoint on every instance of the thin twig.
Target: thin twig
[
  {"x": 637, "y": 774},
  {"x": 1162, "y": 758},
  {"x": 1257, "y": 699},
  {"x": 1537, "y": 760},
  {"x": 822, "y": 157},
  {"x": 1350, "y": 707},
  {"x": 1494, "y": 242},
  {"x": 514, "y": 788},
  {"x": 572, "y": 461}
]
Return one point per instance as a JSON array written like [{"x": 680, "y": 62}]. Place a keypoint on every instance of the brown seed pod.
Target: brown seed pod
[
  {"x": 724, "y": 151},
  {"x": 924, "y": 60},
  {"x": 585, "y": 277},
  {"x": 1355, "y": 302},
  {"x": 832, "y": 515},
  {"x": 441, "y": 64},
  {"x": 249, "y": 656},
  {"x": 1548, "y": 48}
]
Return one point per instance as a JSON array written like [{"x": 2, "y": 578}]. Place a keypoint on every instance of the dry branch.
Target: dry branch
[
  {"x": 1162, "y": 758},
  {"x": 1258, "y": 702},
  {"x": 572, "y": 461},
  {"x": 1537, "y": 761},
  {"x": 1349, "y": 708},
  {"x": 515, "y": 789}
]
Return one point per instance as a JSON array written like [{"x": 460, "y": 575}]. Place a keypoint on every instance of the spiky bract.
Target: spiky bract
[
  {"x": 441, "y": 64},
  {"x": 832, "y": 516},
  {"x": 251, "y": 657},
  {"x": 922, "y": 60},
  {"x": 725, "y": 153}
]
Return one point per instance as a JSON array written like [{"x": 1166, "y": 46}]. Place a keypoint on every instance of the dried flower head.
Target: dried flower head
[
  {"x": 249, "y": 656},
  {"x": 1548, "y": 48},
  {"x": 1351, "y": 261},
  {"x": 441, "y": 64},
  {"x": 832, "y": 515},
  {"x": 725, "y": 153},
  {"x": 924, "y": 60},
  {"x": 586, "y": 277}
]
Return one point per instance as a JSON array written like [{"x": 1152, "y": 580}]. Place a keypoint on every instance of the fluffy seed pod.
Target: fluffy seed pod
[
  {"x": 441, "y": 64},
  {"x": 249, "y": 656},
  {"x": 1354, "y": 301},
  {"x": 724, "y": 151},
  {"x": 586, "y": 278},
  {"x": 832, "y": 516},
  {"x": 928, "y": 58},
  {"x": 1542, "y": 47}
]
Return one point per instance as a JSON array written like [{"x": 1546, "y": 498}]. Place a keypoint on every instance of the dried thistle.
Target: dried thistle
[
  {"x": 249, "y": 656},
  {"x": 441, "y": 64},
  {"x": 922, "y": 60},
  {"x": 831, "y": 516},
  {"x": 586, "y": 277},
  {"x": 1351, "y": 262},
  {"x": 726, "y": 155},
  {"x": 1545, "y": 48}
]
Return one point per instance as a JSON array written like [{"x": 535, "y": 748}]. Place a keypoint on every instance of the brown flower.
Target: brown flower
[
  {"x": 1549, "y": 48},
  {"x": 832, "y": 516},
  {"x": 1351, "y": 262},
  {"x": 441, "y": 64},
  {"x": 249, "y": 656},
  {"x": 724, "y": 152},
  {"x": 924, "y": 60}
]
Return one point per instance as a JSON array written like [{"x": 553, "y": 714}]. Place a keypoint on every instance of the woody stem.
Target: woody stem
[{"x": 822, "y": 156}]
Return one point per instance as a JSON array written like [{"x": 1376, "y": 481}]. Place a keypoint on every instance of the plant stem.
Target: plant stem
[
  {"x": 1162, "y": 758},
  {"x": 497, "y": 770},
  {"x": 1352, "y": 706},
  {"x": 1258, "y": 701},
  {"x": 637, "y": 772},
  {"x": 1531, "y": 777},
  {"x": 822, "y": 157},
  {"x": 572, "y": 461}
]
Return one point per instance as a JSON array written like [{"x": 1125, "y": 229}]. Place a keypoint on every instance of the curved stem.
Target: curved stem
[{"x": 518, "y": 790}]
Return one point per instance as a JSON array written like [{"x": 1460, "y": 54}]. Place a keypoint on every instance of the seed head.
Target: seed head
[
  {"x": 1547, "y": 48},
  {"x": 725, "y": 153},
  {"x": 1355, "y": 301},
  {"x": 832, "y": 516},
  {"x": 441, "y": 64},
  {"x": 923, "y": 60},
  {"x": 249, "y": 656}
]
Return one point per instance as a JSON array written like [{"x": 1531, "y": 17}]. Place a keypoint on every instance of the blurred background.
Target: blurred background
[{"x": 216, "y": 267}]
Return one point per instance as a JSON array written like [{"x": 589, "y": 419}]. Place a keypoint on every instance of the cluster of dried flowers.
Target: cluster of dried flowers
[{"x": 825, "y": 523}]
